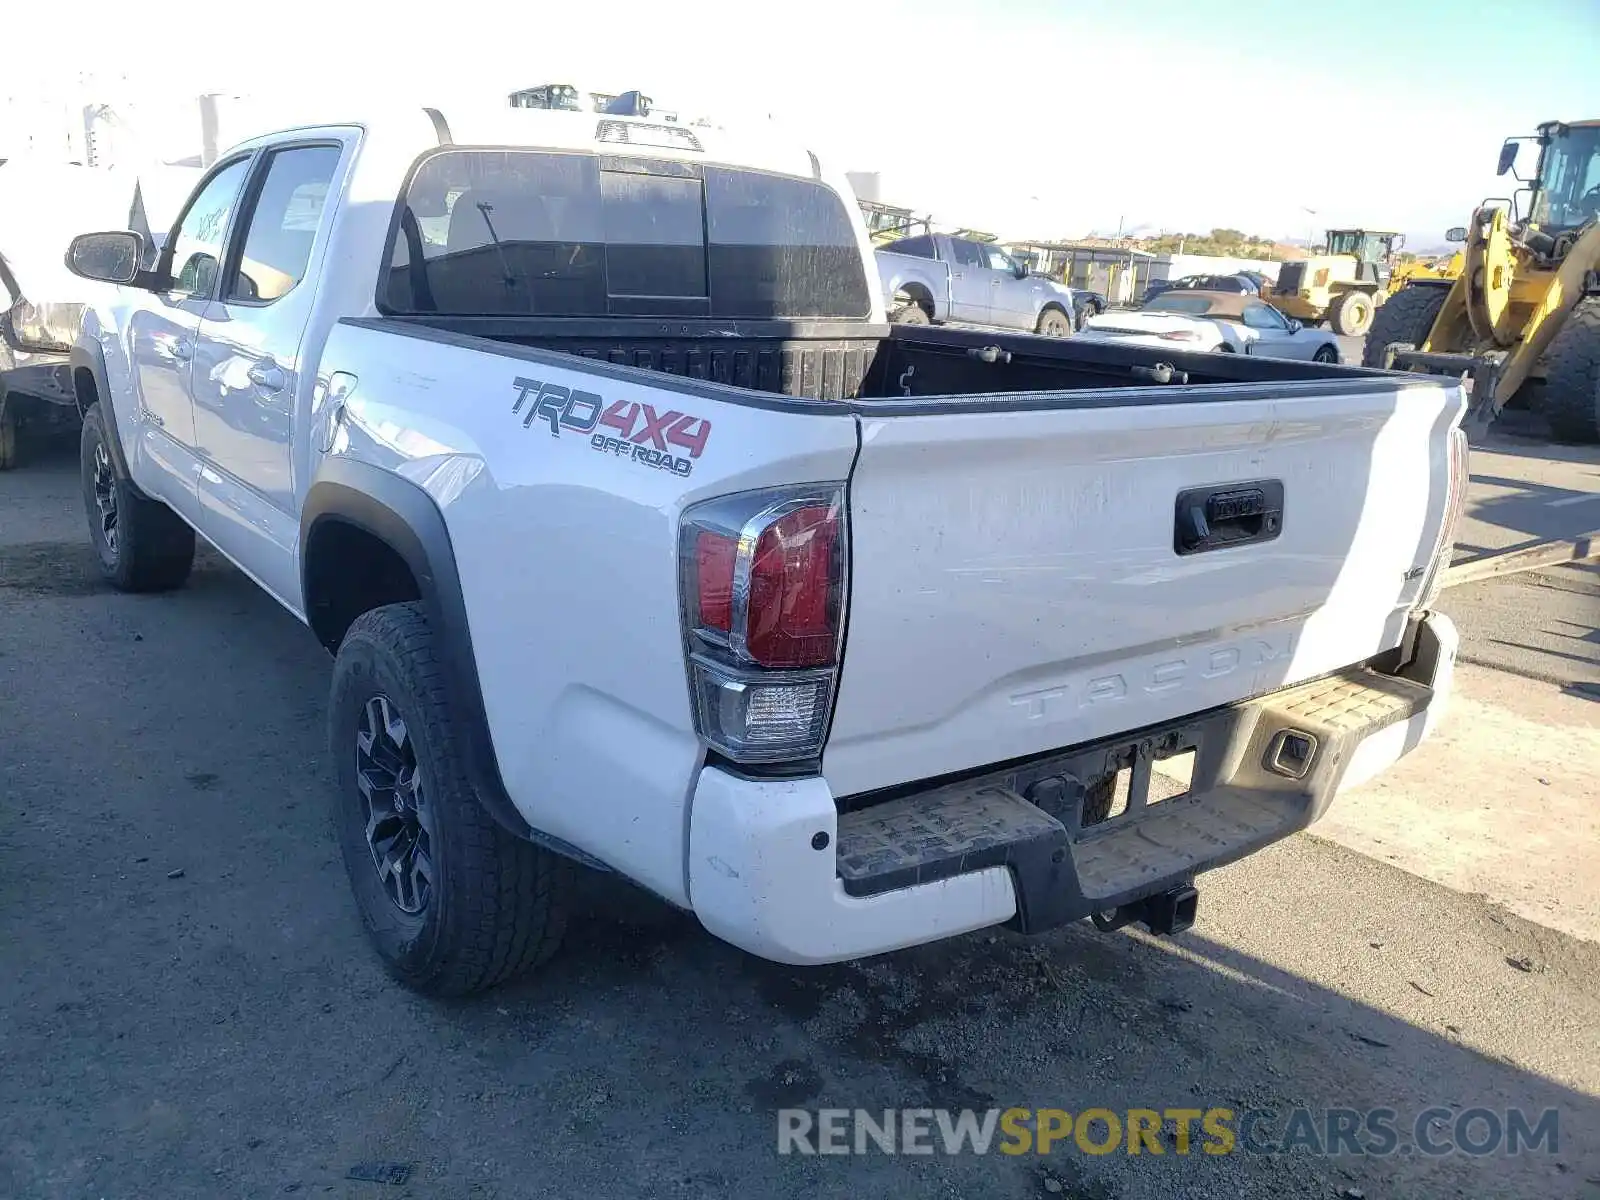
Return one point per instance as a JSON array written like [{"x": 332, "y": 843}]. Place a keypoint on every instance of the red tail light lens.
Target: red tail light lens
[
  {"x": 792, "y": 619},
  {"x": 764, "y": 594},
  {"x": 714, "y": 557}
]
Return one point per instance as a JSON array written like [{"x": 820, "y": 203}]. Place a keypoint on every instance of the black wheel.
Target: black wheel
[
  {"x": 1407, "y": 317},
  {"x": 1570, "y": 399},
  {"x": 452, "y": 902},
  {"x": 142, "y": 545},
  {"x": 1326, "y": 354},
  {"x": 1351, "y": 314},
  {"x": 1054, "y": 323},
  {"x": 910, "y": 313}
]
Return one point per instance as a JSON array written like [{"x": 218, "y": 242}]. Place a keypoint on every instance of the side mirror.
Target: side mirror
[
  {"x": 1508, "y": 157},
  {"x": 1020, "y": 270},
  {"x": 106, "y": 257},
  {"x": 1295, "y": 326},
  {"x": 1456, "y": 233}
]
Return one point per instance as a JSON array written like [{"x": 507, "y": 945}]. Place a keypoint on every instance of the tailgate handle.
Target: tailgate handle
[{"x": 1234, "y": 514}]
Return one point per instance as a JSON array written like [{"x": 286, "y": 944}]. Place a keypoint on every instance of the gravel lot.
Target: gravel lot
[{"x": 188, "y": 1007}]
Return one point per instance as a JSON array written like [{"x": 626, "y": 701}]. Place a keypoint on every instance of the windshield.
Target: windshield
[
  {"x": 1179, "y": 304},
  {"x": 1368, "y": 247},
  {"x": 1570, "y": 174}
]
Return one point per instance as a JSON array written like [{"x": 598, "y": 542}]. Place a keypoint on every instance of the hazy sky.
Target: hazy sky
[{"x": 1029, "y": 117}]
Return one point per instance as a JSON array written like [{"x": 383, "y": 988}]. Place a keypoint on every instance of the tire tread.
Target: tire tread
[
  {"x": 1407, "y": 316},
  {"x": 1570, "y": 399},
  {"x": 505, "y": 913},
  {"x": 155, "y": 551}
]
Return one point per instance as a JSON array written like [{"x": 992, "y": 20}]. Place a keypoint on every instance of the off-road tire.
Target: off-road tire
[
  {"x": 1351, "y": 314},
  {"x": 1053, "y": 322},
  {"x": 1407, "y": 317},
  {"x": 498, "y": 903},
  {"x": 149, "y": 547},
  {"x": 910, "y": 313},
  {"x": 1570, "y": 398}
]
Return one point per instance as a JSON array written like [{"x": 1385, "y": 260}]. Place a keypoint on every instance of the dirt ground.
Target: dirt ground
[
  {"x": 188, "y": 1007},
  {"x": 1500, "y": 803}
]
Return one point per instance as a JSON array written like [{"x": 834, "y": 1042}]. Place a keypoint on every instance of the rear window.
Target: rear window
[
  {"x": 917, "y": 247},
  {"x": 533, "y": 233}
]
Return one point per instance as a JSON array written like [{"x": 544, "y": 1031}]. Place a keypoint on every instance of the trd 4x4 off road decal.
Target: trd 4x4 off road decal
[{"x": 641, "y": 434}]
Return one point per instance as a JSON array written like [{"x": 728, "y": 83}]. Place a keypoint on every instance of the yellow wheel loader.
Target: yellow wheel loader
[
  {"x": 1444, "y": 268},
  {"x": 1343, "y": 287},
  {"x": 1523, "y": 318}
]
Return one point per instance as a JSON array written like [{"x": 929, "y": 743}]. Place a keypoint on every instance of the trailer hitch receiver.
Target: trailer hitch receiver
[{"x": 1165, "y": 913}]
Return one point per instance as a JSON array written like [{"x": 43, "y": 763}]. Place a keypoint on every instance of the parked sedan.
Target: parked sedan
[
  {"x": 1226, "y": 322},
  {"x": 1246, "y": 283},
  {"x": 1086, "y": 304}
]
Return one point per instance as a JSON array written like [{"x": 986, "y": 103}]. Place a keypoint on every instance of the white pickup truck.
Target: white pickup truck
[{"x": 641, "y": 540}]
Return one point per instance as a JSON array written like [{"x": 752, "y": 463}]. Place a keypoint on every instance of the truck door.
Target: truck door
[
  {"x": 1011, "y": 300},
  {"x": 163, "y": 330},
  {"x": 249, "y": 374},
  {"x": 969, "y": 282}
]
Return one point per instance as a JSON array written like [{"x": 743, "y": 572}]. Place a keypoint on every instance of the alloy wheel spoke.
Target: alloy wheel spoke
[{"x": 398, "y": 826}]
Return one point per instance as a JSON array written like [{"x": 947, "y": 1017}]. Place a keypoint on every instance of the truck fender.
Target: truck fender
[
  {"x": 87, "y": 358},
  {"x": 405, "y": 518}
]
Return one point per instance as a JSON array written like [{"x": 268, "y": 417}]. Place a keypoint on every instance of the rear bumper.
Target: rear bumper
[
  {"x": 776, "y": 869},
  {"x": 35, "y": 383}
]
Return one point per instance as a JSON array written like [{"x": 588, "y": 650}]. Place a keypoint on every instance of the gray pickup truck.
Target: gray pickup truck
[{"x": 935, "y": 278}]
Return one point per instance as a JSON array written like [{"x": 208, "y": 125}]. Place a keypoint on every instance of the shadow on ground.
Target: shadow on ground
[{"x": 188, "y": 1007}]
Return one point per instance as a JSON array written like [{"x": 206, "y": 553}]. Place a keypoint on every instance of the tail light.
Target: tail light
[
  {"x": 763, "y": 594},
  {"x": 1454, "y": 504}
]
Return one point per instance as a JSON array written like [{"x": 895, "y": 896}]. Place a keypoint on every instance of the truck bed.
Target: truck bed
[{"x": 855, "y": 361}]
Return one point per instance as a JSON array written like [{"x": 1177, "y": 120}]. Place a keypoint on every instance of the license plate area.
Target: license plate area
[
  {"x": 1147, "y": 778},
  {"x": 1109, "y": 785}
]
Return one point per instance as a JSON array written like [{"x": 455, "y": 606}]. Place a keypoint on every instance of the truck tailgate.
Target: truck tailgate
[{"x": 1027, "y": 576}]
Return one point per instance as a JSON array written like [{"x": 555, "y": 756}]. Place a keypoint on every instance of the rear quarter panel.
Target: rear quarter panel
[
  {"x": 897, "y": 270},
  {"x": 568, "y": 563}
]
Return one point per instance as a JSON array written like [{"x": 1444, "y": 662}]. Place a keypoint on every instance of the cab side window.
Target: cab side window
[
  {"x": 967, "y": 254},
  {"x": 196, "y": 247},
  {"x": 999, "y": 260},
  {"x": 283, "y": 223},
  {"x": 1263, "y": 316}
]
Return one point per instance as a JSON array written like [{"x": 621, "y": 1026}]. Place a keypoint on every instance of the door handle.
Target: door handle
[
  {"x": 182, "y": 351},
  {"x": 267, "y": 376},
  {"x": 1234, "y": 514}
]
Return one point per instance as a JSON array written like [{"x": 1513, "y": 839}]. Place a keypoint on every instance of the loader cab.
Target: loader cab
[
  {"x": 565, "y": 97},
  {"x": 1364, "y": 245},
  {"x": 1373, "y": 251},
  {"x": 558, "y": 97},
  {"x": 1566, "y": 190}
]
